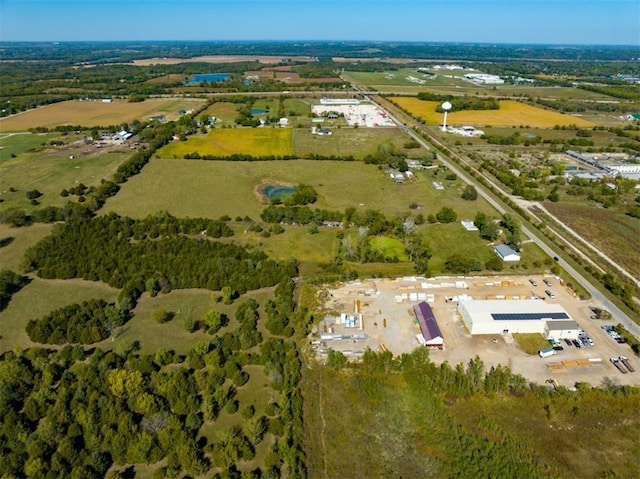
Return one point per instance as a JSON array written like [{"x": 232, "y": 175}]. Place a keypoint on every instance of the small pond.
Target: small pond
[
  {"x": 208, "y": 77},
  {"x": 258, "y": 111},
  {"x": 278, "y": 191}
]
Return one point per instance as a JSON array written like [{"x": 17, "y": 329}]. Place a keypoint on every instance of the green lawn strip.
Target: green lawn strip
[{"x": 531, "y": 343}]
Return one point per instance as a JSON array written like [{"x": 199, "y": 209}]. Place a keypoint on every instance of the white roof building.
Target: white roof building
[
  {"x": 512, "y": 316},
  {"x": 507, "y": 253}
]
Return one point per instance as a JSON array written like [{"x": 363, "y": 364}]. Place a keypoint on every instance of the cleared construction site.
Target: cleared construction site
[{"x": 386, "y": 315}]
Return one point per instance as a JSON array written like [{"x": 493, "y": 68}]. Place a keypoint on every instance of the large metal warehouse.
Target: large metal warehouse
[{"x": 517, "y": 316}]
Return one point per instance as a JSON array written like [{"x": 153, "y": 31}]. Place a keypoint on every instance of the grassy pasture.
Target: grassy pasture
[
  {"x": 18, "y": 241},
  {"x": 511, "y": 113},
  {"x": 52, "y": 170},
  {"x": 95, "y": 113},
  {"x": 224, "y": 112},
  {"x": 17, "y": 143},
  {"x": 40, "y": 297},
  {"x": 173, "y": 335},
  {"x": 610, "y": 230},
  {"x": 224, "y": 142},
  {"x": 191, "y": 188},
  {"x": 357, "y": 142}
]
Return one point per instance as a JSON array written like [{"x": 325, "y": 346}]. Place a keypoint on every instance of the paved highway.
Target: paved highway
[{"x": 618, "y": 314}]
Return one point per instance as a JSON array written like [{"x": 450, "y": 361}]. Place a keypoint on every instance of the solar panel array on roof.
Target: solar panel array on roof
[{"x": 527, "y": 316}]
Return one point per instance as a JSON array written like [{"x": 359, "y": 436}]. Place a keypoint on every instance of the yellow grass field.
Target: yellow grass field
[
  {"x": 257, "y": 142},
  {"x": 511, "y": 113},
  {"x": 96, "y": 113}
]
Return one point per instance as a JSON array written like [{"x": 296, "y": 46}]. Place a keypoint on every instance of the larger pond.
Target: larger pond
[
  {"x": 208, "y": 77},
  {"x": 278, "y": 191}
]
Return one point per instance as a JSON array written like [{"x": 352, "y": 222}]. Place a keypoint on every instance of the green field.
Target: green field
[
  {"x": 390, "y": 247},
  {"x": 40, "y": 297},
  {"x": 356, "y": 142},
  {"x": 224, "y": 142},
  {"x": 192, "y": 188},
  {"x": 53, "y": 169},
  {"x": 13, "y": 144},
  {"x": 17, "y": 241}
]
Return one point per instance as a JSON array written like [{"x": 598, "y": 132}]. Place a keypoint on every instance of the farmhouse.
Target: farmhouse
[
  {"x": 516, "y": 316},
  {"x": 506, "y": 253},
  {"x": 431, "y": 335}
]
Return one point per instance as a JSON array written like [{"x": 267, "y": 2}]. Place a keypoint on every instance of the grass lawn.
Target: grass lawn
[
  {"x": 40, "y": 297},
  {"x": 531, "y": 343},
  {"x": 224, "y": 142},
  {"x": 390, "y": 247},
  {"x": 53, "y": 169},
  {"x": 96, "y": 113},
  {"x": 17, "y": 241},
  {"x": 511, "y": 113},
  {"x": 13, "y": 144}
]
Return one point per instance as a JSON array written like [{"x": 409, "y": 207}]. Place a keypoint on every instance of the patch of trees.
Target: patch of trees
[
  {"x": 461, "y": 103},
  {"x": 387, "y": 154},
  {"x": 88, "y": 322},
  {"x": 303, "y": 195},
  {"x": 126, "y": 253},
  {"x": 10, "y": 283},
  {"x": 238, "y": 157}
]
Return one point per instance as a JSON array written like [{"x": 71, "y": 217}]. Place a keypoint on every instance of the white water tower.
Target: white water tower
[{"x": 446, "y": 106}]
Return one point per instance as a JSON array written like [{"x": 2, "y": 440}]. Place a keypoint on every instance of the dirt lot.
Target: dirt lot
[{"x": 388, "y": 322}]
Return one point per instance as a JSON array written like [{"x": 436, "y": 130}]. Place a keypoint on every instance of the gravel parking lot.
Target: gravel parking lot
[{"x": 387, "y": 322}]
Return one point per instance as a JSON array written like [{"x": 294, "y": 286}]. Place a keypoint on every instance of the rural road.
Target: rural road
[{"x": 596, "y": 294}]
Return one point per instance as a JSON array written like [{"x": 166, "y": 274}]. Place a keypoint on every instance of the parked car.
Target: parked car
[
  {"x": 557, "y": 347},
  {"x": 533, "y": 283},
  {"x": 547, "y": 282},
  {"x": 550, "y": 294},
  {"x": 567, "y": 341},
  {"x": 576, "y": 343}
]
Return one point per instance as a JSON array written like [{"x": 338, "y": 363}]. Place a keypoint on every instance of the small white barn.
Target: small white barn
[
  {"x": 284, "y": 122},
  {"x": 507, "y": 253}
]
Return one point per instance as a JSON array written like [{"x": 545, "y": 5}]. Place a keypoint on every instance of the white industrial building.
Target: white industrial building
[
  {"x": 516, "y": 316},
  {"x": 506, "y": 253},
  {"x": 484, "y": 78}
]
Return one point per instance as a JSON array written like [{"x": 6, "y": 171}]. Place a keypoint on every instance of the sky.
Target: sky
[{"x": 576, "y": 22}]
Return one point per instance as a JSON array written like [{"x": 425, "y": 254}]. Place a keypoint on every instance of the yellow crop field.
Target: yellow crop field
[
  {"x": 511, "y": 113},
  {"x": 96, "y": 113},
  {"x": 258, "y": 142}
]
